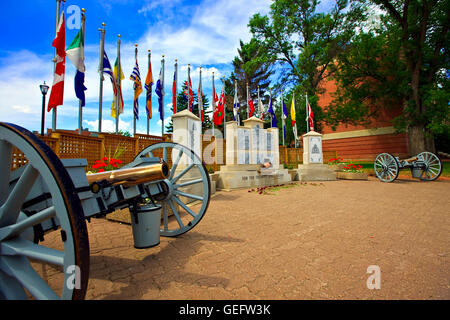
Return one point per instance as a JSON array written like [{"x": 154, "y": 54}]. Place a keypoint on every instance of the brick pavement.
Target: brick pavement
[{"x": 312, "y": 241}]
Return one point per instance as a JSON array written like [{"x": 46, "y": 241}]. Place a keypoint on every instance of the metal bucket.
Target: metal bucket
[
  {"x": 416, "y": 172},
  {"x": 145, "y": 224}
]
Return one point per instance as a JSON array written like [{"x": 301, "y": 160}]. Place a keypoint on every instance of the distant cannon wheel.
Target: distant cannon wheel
[
  {"x": 187, "y": 190},
  {"x": 36, "y": 198},
  {"x": 386, "y": 167},
  {"x": 433, "y": 166}
]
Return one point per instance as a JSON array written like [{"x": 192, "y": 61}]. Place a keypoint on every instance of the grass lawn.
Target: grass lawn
[{"x": 368, "y": 167}]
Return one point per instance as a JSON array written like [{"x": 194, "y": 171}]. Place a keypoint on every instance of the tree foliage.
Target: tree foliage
[{"x": 401, "y": 63}]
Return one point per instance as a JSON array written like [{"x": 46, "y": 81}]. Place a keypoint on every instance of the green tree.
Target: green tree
[
  {"x": 182, "y": 104},
  {"x": 303, "y": 43},
  {"x": 250, "y": 67},
  {"x": 403, "y": 62}
]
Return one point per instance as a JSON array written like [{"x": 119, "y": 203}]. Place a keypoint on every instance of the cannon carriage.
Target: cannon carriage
[
  {"x": 425, "y": 166},
  {"x": 44, "y": 206}
]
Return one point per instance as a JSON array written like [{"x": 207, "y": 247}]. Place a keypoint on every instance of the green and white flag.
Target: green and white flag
[{"x": 75, "y": 52}]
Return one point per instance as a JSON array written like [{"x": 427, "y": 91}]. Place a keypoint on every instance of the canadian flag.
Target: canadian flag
[{"x": 57, "y": 92}]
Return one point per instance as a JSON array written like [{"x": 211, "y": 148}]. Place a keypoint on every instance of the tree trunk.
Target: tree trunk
[{"x": 419, "y": 140}]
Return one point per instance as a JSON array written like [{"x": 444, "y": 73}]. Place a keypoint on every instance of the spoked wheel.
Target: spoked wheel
[
  {"x": 187, "y": 189},
  {"x": 35, "y": 199},
  {"x": 386, "y": 167},
  {"x": 433, "y": 166}
]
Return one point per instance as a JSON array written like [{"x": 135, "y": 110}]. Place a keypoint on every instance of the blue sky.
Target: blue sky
[{"x": 201, "y": 33}]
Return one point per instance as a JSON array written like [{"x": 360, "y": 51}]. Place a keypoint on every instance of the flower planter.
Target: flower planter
[
  {"x": 351, "y": 175},
  {"x": 336, "y": 167}
]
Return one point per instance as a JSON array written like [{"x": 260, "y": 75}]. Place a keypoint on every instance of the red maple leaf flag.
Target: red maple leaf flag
[
  {"x": 251, "y": 107},
  {"x": 57, "y": 92},
  {"x": 219, "y": 111}
]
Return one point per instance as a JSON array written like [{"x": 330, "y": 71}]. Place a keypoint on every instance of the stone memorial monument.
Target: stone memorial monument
[
  {"x": 252, "y": 156},
  {"x": 187, "y": 131},
  {"x": 313, "y": 168}
]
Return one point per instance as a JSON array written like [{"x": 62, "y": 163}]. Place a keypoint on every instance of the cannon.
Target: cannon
[
  {"x": 425, "y": 166},
  {"x": 46, "y": 203}
]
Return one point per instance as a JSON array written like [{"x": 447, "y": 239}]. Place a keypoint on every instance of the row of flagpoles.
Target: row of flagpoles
[{"x": 75, "y": 52}]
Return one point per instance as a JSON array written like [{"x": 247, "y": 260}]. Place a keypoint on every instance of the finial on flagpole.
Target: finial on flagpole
[
  {"x": 136, "y": 45},
  {"x": 103, "y": 24},
  {"x": 119, "y": 35},
  {"x": 176, "y": 60},
  {"x": 83, "y": 10}
]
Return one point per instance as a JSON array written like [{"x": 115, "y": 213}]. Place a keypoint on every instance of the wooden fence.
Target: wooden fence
[{"x": 71, "y": 145}]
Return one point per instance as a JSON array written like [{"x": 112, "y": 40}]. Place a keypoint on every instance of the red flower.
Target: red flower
[
  {"x": 101, "y": 170},
  {"x": 105, "y": 159},
  {"x": 360, "y": 166},
  {"x": 98, "y": 165}
]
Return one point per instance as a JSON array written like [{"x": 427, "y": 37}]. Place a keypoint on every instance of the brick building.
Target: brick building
[{"x": 360, "y": 142}]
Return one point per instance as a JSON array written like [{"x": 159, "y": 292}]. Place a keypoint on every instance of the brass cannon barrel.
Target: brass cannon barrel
[{"x": 131, "y": 176}]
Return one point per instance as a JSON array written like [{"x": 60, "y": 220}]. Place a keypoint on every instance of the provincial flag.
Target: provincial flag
[
  {"x": 136, "y": 77},
  {"x": 148, "y": 87},
  {"x": 159, "y": 90},
  {"x": 215, "y": 101},
  {"x": 107, "y": 70},
  {"x": 75, "y": 52},
  {"x": 57, "y": 91},
  {"x": 118, "y": 76},
  {"x": 272, "y": 112},
  {"x": 293, "y": 116}
]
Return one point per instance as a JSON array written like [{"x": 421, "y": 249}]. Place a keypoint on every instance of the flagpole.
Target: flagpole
[
  {"x": 148, "y": 116},
  {"x": 200, "y": 98},
  {"x": 282, "y": 115},
  {"x": 188, "y": 87},
  {"x": 213, "y": 101},
  {"x": 175, "y": 110},
  {"x": 224, "y": 110},
  {"x": 295, "y": 126},
  {"x": 134, "y": 115},
  {"x": 80, "y": 107},
  {"x": 119, "y": 74},
  {"x": 58, "y": 14},
  {"x": 102, "y": 78},
  {"x": 248, "y": 107},
  {"x": 162, "y": 98},
  {"x": 270, "y": 95},
  {"x": 307, "y": 113}
]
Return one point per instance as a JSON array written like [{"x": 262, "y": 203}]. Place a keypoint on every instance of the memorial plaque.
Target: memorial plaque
[
  {"x": 243, "y": 136},
  {"x": 315, "y": 150}
]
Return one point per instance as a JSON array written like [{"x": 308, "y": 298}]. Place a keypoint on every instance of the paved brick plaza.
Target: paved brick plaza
[{"x": 312, "y": 241}]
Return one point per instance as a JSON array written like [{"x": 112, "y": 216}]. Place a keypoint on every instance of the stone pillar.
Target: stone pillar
[
  {"x": 313, "y": 168},
  {"x": 187, "y": 130}
]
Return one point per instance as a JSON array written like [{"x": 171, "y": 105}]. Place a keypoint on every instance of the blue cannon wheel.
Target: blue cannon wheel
[
  {"x": 386, "y": 167},
  {"x": 433, "y": 166},
  {"x": 44, "y": 245},
  {"x": 187, "y": 189}
]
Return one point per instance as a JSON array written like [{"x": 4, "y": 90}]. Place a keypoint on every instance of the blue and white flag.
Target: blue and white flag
[
  {"x": 272, "y": 113},
  {"x": 136, "y": 77},
  {"x": 108, "y": 70},
  {"x": 159, "y": 90}
]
